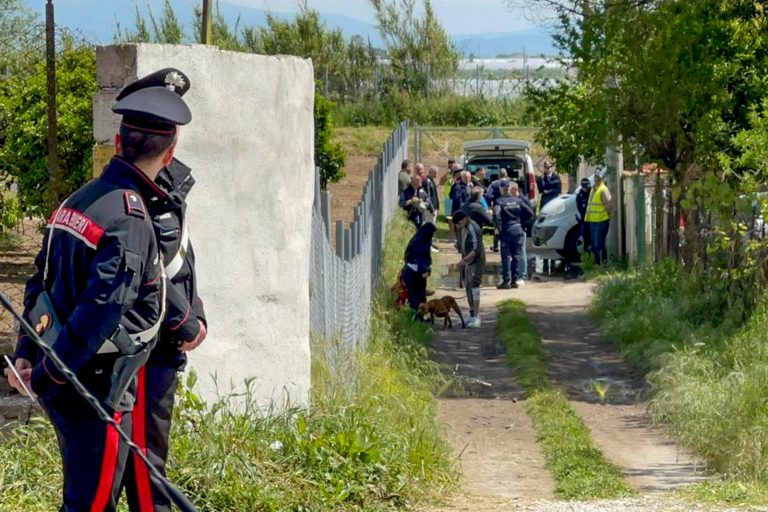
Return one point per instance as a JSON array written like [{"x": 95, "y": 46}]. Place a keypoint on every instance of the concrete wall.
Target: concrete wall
[{"x": 250, "y": 146}]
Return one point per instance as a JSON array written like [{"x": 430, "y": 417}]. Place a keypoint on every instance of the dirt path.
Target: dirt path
[
  {"x": 502, "y": 466},
  {"x": 487, "y": 427},
  {"x": 578, "y": 358}
]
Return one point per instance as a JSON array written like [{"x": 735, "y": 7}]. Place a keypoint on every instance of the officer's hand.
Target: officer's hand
[
  {"x": 24, "y": 367},
  {"x": 200, "y": 338}
]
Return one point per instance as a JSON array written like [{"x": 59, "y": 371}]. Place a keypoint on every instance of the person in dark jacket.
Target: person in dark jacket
[
  {"x": 415, "y": 202},
  {"x": 512, "y": 213},
  {"x": 184, "y": 329},
  {"x": 418, "y": 265},
  {"x": 548, "y": 184},
  {"x": 475, "y": 209},
  {"x": 582, "y": 200},
  {"x": 100, "y": 270},
  {"x": 429, "y": 184},
  {"x": 460, "y": 191},
  {"x": 469, "y": 243},
  {"x": 572, "y": 267},
  {"x": 491, "y": 195}
]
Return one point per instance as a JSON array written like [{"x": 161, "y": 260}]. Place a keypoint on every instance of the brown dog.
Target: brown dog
[{"x": 441, "y": 308}]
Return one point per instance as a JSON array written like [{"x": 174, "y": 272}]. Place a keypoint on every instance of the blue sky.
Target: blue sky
[{"x": 458, "y": 16}]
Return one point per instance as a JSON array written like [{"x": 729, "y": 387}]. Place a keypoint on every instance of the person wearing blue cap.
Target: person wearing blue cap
[
  {"x": 98, "y": 294},
  {"x": 183, "y": 329}
]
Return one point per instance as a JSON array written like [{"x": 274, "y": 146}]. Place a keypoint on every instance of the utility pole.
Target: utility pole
[
  {"x": 206, "y": 33},
  {"x": 54, "y": 175}
]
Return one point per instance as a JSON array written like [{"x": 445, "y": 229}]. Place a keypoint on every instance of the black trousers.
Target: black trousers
[
  {"x": 416, "y": 285},
  {"x": 92, "y": 453},
  {"x": 151, "y": 425}
]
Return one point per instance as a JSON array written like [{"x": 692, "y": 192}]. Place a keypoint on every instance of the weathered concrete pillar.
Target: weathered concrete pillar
[{"x": 250, "y": 147}]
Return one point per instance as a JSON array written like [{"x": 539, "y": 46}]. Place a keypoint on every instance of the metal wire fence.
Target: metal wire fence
[{"x": 343, "y": 275}]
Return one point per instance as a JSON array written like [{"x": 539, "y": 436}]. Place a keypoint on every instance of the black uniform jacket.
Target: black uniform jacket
[
  {"x": 184, "y": 307},
  {"x": 512, "y": 214},
  {"x": 103, "y": 270}
]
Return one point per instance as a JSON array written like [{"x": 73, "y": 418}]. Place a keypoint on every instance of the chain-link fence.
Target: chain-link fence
[{"x": 343, "y": 274}]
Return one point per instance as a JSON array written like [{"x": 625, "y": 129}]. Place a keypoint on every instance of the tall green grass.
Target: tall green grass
[
  {"x": 708, "y": 375},
  {"x": 369, "y": 441}
]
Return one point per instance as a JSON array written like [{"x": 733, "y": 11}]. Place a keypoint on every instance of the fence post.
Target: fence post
[
  {"x": 340, "y": 238},
  {"x": 640, "y": 218},
  {"x": 316, "y": 203},
  {"x": 325, "y": 209},
  {"x": 347, "y": 244},
  {"x": 416, "y": 139}
]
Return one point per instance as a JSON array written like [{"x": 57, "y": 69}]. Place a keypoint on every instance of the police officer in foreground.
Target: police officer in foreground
[
  {"x": 511, "y": 212},
  {"x": 97, "y": 296},
  {"x": 184, "y": 326}
]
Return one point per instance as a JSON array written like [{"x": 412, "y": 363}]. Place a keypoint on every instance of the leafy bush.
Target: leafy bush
[
  {"x": 650, "y": 312},
  {"x": 24, "y": 147},
  {"x": 329, "y": 156},
  {"x": 708, "y": 374}
]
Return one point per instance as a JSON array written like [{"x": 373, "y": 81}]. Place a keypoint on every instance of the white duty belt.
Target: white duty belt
[
  {"x": 147, "y": 335},
  {"x": 174, "y": 266}
]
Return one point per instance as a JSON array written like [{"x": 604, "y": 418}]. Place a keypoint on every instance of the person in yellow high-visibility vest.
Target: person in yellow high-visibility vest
[{"x": 598, "y": 216}]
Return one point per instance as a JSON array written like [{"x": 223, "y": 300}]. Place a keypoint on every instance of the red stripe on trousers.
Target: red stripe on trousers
[
  {"x": 143, "y": 489},
  {"x": 108, "y": 462}
]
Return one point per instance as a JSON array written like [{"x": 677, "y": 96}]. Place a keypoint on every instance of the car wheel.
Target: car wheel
[{"x": 574, "y": 245}]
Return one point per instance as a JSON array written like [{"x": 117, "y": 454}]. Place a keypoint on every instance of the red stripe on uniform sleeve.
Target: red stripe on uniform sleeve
[{"x": 186, "y": 315}]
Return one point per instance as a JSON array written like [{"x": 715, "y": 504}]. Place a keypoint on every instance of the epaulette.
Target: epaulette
[{"x": 134, "y": 205}]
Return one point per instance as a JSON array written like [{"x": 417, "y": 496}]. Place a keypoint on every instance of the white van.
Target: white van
[{"x": 496, "y": 154}]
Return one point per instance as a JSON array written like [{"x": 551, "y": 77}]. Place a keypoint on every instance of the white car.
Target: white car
[{"x": 556, "y": 232}]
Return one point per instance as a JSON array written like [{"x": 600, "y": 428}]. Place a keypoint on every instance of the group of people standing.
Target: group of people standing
[
  {"x": 417, "y": 191},
  {"x": 500, "y": 207}
]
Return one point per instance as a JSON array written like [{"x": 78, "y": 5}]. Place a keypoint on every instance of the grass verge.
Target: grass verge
[
  {"x": 580, "y": 470},
  {"x": 708, "y": 373},
  {"x": 369, "y": 441},
  {"x": 523, "y": 345}
]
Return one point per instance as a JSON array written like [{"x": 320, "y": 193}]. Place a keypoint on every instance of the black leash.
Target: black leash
[{"x": 174, "y": 493}]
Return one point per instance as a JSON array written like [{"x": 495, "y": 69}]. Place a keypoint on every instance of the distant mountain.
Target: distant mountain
[
  {"x": 97, "y": 21},
  {"x": 534, "y": 41}
]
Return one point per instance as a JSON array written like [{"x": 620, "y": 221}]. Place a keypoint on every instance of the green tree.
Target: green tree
[
  {"x": 340, "y": 65},
  {"x": 167, "y": 29},
  {"x": 21, "y": 37},
  {"x": 23, "y": 150},
  {"x": 418, "y": 47},
  {"x": 329, "y": 156}
]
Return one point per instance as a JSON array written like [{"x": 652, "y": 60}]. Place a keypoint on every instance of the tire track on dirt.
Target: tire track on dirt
[{"x": 620, "y": 425}]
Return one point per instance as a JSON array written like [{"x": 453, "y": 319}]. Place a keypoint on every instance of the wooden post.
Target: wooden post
[
  {"x": 54, "y": 176},
  {"x": 206, "y": 32}
]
